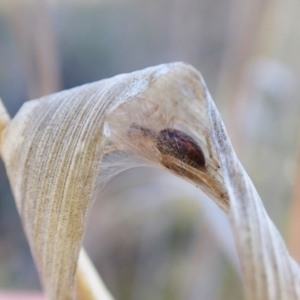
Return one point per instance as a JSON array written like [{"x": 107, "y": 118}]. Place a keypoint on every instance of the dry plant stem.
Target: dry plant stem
[
  {"x": 294, "y": 224},
  {"x": 241, "y": 45},
  {"x": 4, "y": 118},
  {"x": 245, "y": 44},
  {"x": 36, "y": 45},
  {"x": 89, "y": 283}
]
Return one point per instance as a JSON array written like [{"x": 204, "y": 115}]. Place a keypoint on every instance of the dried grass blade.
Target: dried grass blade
[
  {"x": 268, "y": 269},
  {"x": 55, "y": 148}
]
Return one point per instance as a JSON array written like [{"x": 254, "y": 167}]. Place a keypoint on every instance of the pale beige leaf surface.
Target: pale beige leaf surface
[{"x": 58, "y": 149}]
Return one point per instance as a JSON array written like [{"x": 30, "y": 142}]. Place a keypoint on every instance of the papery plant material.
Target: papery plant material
[
  {"x": 56, "y": 147},
  {"x": 4, "y": 117}
]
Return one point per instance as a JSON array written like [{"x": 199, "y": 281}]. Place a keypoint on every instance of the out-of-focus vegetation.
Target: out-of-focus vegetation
[{"x": 150, "y": 235}]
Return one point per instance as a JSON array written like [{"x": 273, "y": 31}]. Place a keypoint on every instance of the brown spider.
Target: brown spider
[
  {"x": 175, "y": 150},
  {"x": 170, "y": 142},
  {"x": 176, "y": 143}
]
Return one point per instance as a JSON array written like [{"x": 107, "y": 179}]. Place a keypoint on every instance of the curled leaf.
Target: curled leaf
[{"x": 59, "y": 149}]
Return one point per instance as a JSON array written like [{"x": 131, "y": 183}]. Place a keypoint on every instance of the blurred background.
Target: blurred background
[{"x": 151, "y": 235}]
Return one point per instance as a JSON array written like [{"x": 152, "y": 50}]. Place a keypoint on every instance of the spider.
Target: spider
[
  {"x": 169, "y": 142},
  {"x": 133, "y": 129},
  {"x": 176, "y": 143}
]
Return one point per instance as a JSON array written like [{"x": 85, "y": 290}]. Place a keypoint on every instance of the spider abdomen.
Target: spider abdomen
[{"x": 176, "y": 143}]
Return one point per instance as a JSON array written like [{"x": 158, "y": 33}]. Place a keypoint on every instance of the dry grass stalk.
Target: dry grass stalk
[
  {"x": 89, "y": 283},
  {"x": 55, "y": 148}
]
